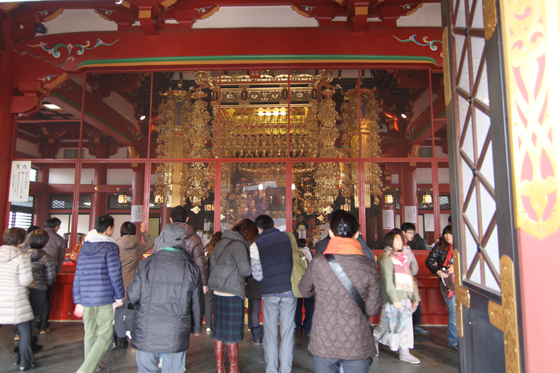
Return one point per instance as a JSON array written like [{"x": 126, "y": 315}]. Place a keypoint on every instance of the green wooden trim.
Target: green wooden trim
[{"x": 256, "y": 58}]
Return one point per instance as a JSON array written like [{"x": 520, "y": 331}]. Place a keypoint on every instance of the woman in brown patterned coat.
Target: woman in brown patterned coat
[{"x": 341, "y": 332}]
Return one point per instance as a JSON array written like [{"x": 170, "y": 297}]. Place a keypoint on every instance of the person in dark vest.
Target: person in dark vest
[{"x": 273, "y": 268}]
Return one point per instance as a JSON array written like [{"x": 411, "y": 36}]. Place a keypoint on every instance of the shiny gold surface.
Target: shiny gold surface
[
  {"x": 462, "y": 295},
  {"x": 446, "y": 70},
  {"x": 490, "y": 18},
  {"x": 496, "y": 315},
  {"x": 509, "y": 306},
  {"x": 182, "y": 133},
  {"x": 504, "y": 317}
]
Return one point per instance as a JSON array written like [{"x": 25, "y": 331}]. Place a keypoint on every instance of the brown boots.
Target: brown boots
[
  {"x": 219, "y": 352},
  {"x": 233, "y": 355}
]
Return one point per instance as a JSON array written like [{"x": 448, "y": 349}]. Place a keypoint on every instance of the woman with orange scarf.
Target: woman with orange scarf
[
  {"x": 400, "y": 299},
  {"x": 440, "y": 263},
  {"x": 341, "y": 331}
]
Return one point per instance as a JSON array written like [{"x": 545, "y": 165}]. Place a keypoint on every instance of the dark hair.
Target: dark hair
[
  {"x": 128, "y": 229},
  {"x": 104, "y": 222},
  {"x": 179, "y": 214},
  {"x": 264, "y": 222},
  {"x": 443, "y": 245},
  {"x": 32, "y": 228},
  {"x": 216, "y": 237},
  {"x": 344, "y": 224},
  {"x": 389, "y": 238},
  {"x": 301, "y": 242},
  {"x": 13, "y": 236},
  {"x": 449, "y": 219},
  {"x": 408, "y": 227},
  {"x": 37, "y": 239},
  {"x": 52, "y": 223},
  {"x": 246, "y": 228}
]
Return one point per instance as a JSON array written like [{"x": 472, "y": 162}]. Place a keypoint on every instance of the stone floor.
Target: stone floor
[{"x": 63, "y": 353}]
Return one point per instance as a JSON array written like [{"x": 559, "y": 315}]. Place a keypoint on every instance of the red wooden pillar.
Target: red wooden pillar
[
  {"x": 42, "y": 209},
  {"x": 165, "y": 214},
  {"x": 98, "y": 198},
  {"x": 6, "y": 116},
  {"x": 409, "y": 187},
  {"x": 138, "y": 190}
]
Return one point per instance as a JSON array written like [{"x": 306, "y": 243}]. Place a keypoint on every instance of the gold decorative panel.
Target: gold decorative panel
[
  {"x": 504, "y": 317},
  {"x": 462, "y": 295},
  {"x": 490, "y": 18},
  {"x": 529, "y": 28},
  {"x": 446, "y": 71}
]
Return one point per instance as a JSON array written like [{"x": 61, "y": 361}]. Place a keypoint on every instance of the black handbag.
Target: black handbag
[{"x": 124, "y": 319}]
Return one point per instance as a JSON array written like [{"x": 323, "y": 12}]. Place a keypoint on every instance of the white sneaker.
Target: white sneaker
[{"x": 404, "y": 355}]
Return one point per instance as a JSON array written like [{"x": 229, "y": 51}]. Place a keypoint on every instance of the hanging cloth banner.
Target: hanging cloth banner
[{"x": 19, "y": 181}]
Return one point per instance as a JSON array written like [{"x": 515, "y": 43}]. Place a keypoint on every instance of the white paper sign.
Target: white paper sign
[
  {"x": 136, "y": 214},
  {"x": 410, "y": 215},
  {"x": 19, "y": 181},
  {"x": 388, "y": 219},
  {"x": 429, "y": 222}
]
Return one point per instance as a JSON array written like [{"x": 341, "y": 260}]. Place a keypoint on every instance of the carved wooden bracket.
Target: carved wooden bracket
[
  {"x": 504, "y": 317},
  {"x": 462, "y": 295}
]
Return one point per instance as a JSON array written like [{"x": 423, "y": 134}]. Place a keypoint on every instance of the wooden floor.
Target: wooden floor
[{"x": 63, "y": 353}]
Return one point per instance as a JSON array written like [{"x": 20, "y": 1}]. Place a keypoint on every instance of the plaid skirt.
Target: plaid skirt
[{"x": 229, "y": 316}]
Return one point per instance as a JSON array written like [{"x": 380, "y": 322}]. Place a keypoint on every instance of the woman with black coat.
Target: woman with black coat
[
  {"x": 44, "y": 271},
  {"x": 440, "y": 263}
]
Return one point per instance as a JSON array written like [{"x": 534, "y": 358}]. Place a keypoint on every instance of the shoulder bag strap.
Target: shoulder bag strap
[
  {"x": 225, "y": 248},
  {"x": 348, "y": 285}
]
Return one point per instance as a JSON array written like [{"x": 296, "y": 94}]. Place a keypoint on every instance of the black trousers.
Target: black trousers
[
  {"x": 254, "y": 312},
  {"x": 44, "y": 324},
  {"x": 417, "y": 316},
  {"x": 208, "y": 308},
  {"x": 37, "y": 301},
  {"x": 25, "y": 351}
]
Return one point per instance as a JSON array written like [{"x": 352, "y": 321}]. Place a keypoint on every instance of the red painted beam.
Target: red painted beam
[{"x": 239, "y": 47}]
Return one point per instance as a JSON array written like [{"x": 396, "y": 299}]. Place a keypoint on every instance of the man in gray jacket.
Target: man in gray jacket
[
  {"x": 55, "y": 247},
  {"x": 193, "y": 243},
  {"x": 167, "y": 287}
]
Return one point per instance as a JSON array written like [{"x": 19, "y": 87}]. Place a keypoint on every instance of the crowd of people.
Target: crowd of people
[{"x": 339, "y": 285}]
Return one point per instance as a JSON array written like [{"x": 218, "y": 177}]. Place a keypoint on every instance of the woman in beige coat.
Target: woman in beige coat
[
  {"x": 132, "y": 249},
  {"x": 131, "y": 252},
  {"x": 15, "y": 276}
]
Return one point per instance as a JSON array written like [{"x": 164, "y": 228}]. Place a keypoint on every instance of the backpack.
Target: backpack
[{"x": 298, "y": 269}]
